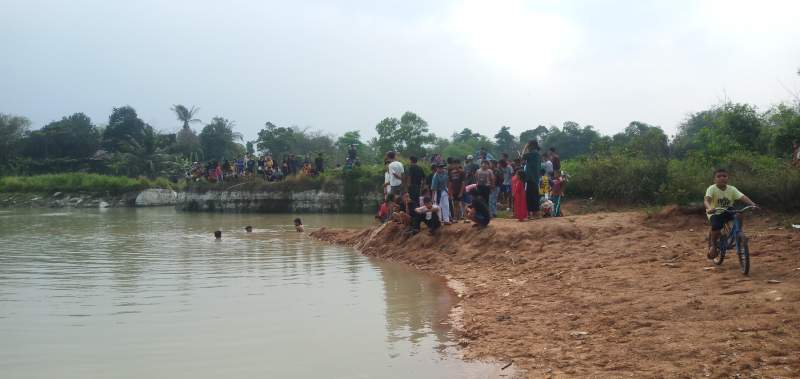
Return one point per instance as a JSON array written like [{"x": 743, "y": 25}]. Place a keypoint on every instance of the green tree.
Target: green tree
[
  {"x": 12, "y": 130},
  {"x": 642, "y": 140},
  {"x": 571, "y": 140},
  {"x": 249, "y": 148},
  {"x": 144, "y": 157},
  {"x": 218, "y": 140},
  {"x": 187, "y": 144},
  {"x": 409, "y": 135},
  {"x": 783, "y": 127},
  {"x": 276, "y": 140},
  {"x": 506, "y": 142},
  {"x": 73, "y": 137},
  {"x": 124, "y": 125},
  {"x": 537, "y": 134}
]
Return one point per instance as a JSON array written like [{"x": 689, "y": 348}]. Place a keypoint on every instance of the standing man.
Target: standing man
[
  {"x": 395, "y": 174},
  {"x": 555, "y": 159},
  {"x": 533, "y": 163},
  {"x": 548, "y": 165},
  {"x": 416, "y": 179},
  {"x": 319, "y": 164}
]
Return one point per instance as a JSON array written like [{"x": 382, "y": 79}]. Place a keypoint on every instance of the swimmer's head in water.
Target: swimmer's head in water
[
  {"x": 218, "y": 234},
  {"x": 248, "y": 229}
]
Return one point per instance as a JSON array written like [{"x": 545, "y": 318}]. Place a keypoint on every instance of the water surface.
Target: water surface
[{"x": 134, "y": 293}]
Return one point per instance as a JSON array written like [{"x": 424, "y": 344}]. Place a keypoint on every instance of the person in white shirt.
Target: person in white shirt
[
  {"x": 429, "y": 214},
  {"x": 386, "y": 175},
  {"x": 395, "y": 174}
]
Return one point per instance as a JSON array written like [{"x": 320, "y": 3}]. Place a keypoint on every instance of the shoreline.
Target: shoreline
[{"x": 609, "y": 294}]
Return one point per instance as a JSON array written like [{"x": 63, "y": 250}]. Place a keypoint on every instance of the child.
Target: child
[
  {"x": 403, "y": 209},
  {"x": 484, "y": 178},
  {"x": 547, "y": 207},
  {"x": 298, "y": 225},
  {"x": 544, "y": 184},
  {"x": 478, "y": 210},
  {"x": 385, "y": 211},
  {"x": 518, "y": 196},
  {"x": 455, "y": 189},
  {"x": 218, "y": 235},
  {"x": 429, "y": 214},
  {"x": 720, "y": 195},
  {"x": 556, "y": 192},
  {"x": 248, "y": 229}
]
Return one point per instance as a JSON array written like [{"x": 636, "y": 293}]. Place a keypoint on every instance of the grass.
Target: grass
[{"x": 79, "y": 182}]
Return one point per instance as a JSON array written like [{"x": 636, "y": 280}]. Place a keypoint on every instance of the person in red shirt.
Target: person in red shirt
[{"x": 518, "y": 196}]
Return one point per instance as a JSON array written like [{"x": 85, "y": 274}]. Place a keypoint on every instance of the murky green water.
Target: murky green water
[{"x": 148, "y": 293}]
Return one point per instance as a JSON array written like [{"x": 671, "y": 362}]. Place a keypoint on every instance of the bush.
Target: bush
[
  {"x": 616, "y": 178},
  {"x": 79, "y": 182},
  {"x": 767, "y": 180}
]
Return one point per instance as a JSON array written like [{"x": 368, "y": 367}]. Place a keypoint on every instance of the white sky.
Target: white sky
[{"x": 345, "y": 65}]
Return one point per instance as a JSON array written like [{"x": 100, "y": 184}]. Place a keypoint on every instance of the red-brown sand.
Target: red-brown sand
[{"x": 611, "y": 295}]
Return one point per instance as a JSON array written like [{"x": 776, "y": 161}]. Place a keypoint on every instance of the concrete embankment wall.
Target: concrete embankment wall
[
  {"x": 311, "y": 201},
  {"x": 146, "y": 198}
]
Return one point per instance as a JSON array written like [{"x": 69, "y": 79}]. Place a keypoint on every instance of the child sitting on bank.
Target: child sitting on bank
[
  {"x": 386, "y": 208},
  {"x": 403, "y": 208}
]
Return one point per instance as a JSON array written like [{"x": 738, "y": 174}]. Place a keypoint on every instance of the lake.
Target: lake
[{"x": 135, "y": 293}]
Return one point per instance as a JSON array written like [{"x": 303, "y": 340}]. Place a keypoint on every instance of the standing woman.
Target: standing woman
[{"x": 533, "y": 163}]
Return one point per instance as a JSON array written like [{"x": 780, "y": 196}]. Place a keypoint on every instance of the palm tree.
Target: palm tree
[
  {"x": 186, "y": 115},
  {"x": 145, "y": 157}
]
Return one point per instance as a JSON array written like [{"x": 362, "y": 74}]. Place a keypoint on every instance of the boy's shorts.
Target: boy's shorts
[
  {"x": 483, "y": 221},
  {"x": 505, "y": 188},
  {"x": 719, "y": 220}
]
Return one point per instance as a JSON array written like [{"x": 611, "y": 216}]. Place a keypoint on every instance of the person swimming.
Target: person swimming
[
  {"x": 298, "y": 225},
  {"x": 218, "y": 235},
  {"x": 248, "y": 229}
]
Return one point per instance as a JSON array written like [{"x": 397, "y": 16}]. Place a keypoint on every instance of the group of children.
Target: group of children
[
  {"x": 251, "y": 166},
  {"x": 473, "y": 192},
  {"x": 298, "y": 226}
]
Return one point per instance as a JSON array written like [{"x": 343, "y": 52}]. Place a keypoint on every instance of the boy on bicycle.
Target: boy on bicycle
[{"x": 720, "y": 195}]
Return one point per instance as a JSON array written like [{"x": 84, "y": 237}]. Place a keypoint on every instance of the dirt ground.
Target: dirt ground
[{"x": 609, "y": 295}]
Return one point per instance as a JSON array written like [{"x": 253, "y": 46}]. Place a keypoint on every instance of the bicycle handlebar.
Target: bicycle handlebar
[{"x": 747, "y": 208}]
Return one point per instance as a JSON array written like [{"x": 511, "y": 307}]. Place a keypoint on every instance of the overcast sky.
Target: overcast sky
[{"x": 345, "y": 65}]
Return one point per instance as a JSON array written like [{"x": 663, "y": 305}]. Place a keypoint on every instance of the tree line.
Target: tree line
[{"x": 128, "y": 146}]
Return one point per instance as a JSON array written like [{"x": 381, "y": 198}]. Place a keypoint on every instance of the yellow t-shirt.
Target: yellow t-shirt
[
  {"x": 723, "y": 199},
  {"x": 544, "y": 185}
]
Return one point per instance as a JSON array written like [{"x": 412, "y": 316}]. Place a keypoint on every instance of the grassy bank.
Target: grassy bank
[
  {"x": 79, "y": 182},
  {"x": 769, "y": 181}
]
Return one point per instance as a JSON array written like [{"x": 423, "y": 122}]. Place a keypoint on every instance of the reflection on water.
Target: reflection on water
[{"x": 149, "y": 293}]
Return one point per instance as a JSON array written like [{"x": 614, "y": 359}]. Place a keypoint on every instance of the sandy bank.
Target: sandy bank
[{"x": 612, "y": 294}]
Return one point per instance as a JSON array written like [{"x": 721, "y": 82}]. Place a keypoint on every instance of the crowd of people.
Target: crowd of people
[
  {"x": 529, "y": 186},
  {"x": 251, "y": 166}
]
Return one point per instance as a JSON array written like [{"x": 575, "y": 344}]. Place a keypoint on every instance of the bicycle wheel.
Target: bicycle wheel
[
  {"x": 743, "y": 251},
  {"x": 723, "y": 238}
]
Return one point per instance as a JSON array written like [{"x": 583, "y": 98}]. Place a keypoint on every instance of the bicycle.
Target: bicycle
[{"x": 733, "y": 236}]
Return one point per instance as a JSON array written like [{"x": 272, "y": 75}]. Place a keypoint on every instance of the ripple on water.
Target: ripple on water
[{"x": 271, "y": 303}]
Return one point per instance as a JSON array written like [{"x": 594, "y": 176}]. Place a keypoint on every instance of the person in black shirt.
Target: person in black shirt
[
  {"x": 478, "y": 211},
  {"x": 416, "y": 178},
  {"x": 319, "y": 164}
]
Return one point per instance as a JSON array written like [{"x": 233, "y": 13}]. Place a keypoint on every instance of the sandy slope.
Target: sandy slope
[{"x": 612, "y": 294}]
